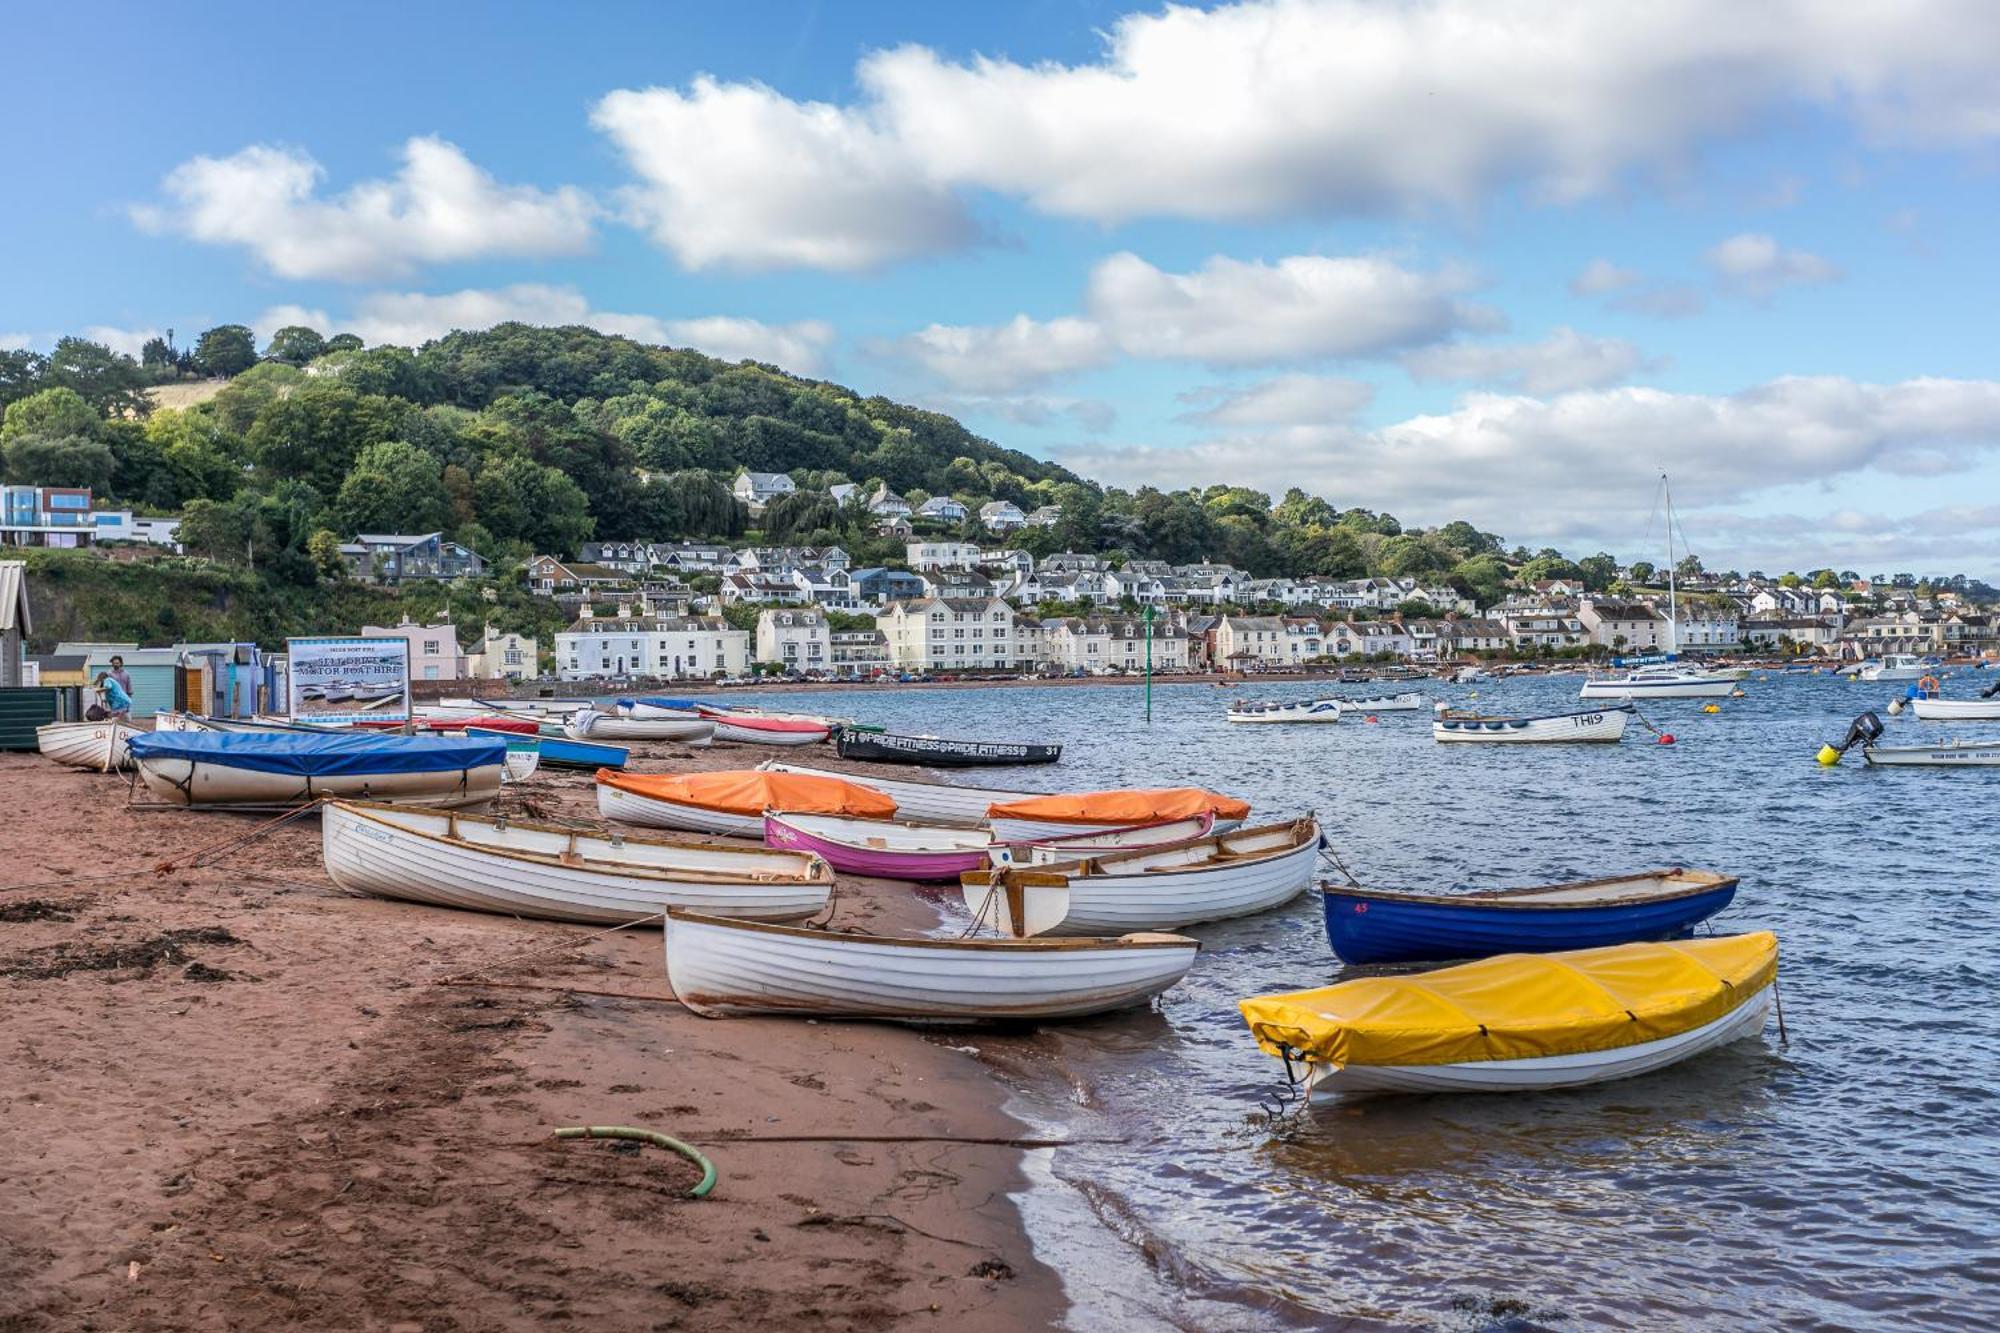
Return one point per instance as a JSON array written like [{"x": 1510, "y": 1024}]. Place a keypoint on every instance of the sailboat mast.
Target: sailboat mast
[{"x": 1673, "y": 597}]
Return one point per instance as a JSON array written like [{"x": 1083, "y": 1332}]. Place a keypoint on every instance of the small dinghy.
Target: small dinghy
[
  {"x": 720, "y": 968},
  {"x": 730, "y": 802},
  {"x": 93, "y": 745},
  {"x": 562, "y": 752},
  {"x": 202, "y": 768},
  {"x": 1383, "y": 926},
  {"x": 1409, "y": 701},
  {"x": 1174, "y": 884},
  {"x": 560, "y": 874},
  {"x": 1275, "y": 710},
  {"x": 1928, "y": 706},
  {"x": 937, "y": 752},
  {"x": 1037, "y": 817},
  {"x": 1867, "y": 729},
  {"x": 920, "y": 802},
  {"x": 1523, "y": 1022},
  {"x": 1600, "y": 725},
  {"x": 1076, "y": 846},
  {"x": 587, "y": 724},
  {"x": 761, "y": 729},
  {"x": 882, "y": 848}
]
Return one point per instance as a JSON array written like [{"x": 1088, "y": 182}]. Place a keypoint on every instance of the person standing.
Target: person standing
[
  {"x": 117, "y": 673},
  {"x": 117, "y": 703}
]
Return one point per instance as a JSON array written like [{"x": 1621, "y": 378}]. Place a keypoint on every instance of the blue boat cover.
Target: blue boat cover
[
  {"x": 337, "y": 753},
  {"x": 685, "y": 705}
]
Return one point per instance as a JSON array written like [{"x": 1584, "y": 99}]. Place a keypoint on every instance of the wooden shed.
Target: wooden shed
[{"x": 22, "y": 708}]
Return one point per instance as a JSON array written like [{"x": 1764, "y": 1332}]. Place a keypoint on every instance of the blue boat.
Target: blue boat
[
  {"x": 204, "y": 768},
  {"x": 1384, "y": 926},
  {"x": 562, "y": 752}
]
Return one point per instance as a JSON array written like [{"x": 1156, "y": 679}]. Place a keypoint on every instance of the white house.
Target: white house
[
  {"x": 1145, "y": 589},
  {"x": 758, "y": 489},
  {"x": 758, "y": 588},
  {"x": 885, "y": 503},
  {"x": 121, "y": 525},
  {"x": 825, "y": 586},
  {"x": 942, "y": 509},
  {"x": 688, "y": 558},
  {"x": 502, "y": 656},
  {"x": 1002, "y": 516},
  {"x": 669, "y": 647},
  {"x": 798, "y": 640},
  {"x": 1242, "y": 641},
  {"x": 1631, "y": 627},
  {"x": 943, "y": 633},
  {"x": 1045, "y": 517},
  {"x": 1114, "y": 642},
  {"x": 859, "y": 653},
  {"x": 941, "y": 555},
  {"x": 843, "y": 491}
]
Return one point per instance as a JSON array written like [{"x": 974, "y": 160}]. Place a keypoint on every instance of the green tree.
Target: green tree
[
  {"x": 69, "y": 460},
  {"x": 158, "y": 356},
  {"x": 394, "y": 487},
  {"x": 1598, "y": 571},
  {"x": 521, "y": 500},
  {"x": 226, "y": 350},
  {"x": 52, "y": 413},
  {"x": 1789, "y": 580},
  {"x": 343, "y": 342},
  {"x": 20, "y": 374},
  {"x": 323, "y": 548},
  {"x": 295, "y": 344},
  {"x": 1642, "y": 572},
  {"x": 111, "y": 382}
]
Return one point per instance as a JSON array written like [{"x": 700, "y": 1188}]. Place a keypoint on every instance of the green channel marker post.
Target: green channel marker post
[{"x": 1149, "y": 663}]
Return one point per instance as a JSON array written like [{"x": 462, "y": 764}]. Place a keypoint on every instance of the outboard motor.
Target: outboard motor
[
  {"x": 1990, "y": 690},
  {"x": 1864, "y": 730}
]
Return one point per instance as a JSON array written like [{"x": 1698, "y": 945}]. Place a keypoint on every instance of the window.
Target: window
[{"x": 430, "y": 645}]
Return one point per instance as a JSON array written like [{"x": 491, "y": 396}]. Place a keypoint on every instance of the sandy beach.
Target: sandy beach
[{"x": 239, "y": 1099}]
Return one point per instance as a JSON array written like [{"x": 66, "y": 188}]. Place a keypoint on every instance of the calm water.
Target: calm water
[{"x": 1849, "y": 1179}]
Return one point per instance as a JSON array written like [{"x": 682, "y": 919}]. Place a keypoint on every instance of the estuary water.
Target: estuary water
[{"x": 1849, "y": 1178}]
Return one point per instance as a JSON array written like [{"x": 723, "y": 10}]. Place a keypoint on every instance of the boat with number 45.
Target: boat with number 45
[
  {"x": 719, "y": 968},
  {"x": 1523, "y": 1022},
  {"x": 1386, "y": 926},
  {"x": 560, "y": 874},
  {"x": 1601, "y": 724}
]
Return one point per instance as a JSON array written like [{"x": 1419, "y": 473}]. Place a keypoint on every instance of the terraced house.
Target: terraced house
[{"x": 950, "y": 633}]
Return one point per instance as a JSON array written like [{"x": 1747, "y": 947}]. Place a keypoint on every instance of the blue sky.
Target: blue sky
[{"x": 1490, "y": 259}]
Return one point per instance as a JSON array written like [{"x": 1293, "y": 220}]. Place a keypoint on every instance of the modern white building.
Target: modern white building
[
  {"x": 795, "y": 638},
  {"x": 945, "y": 633},
  {"x": 941, "y": 555},
  {"x": 501, "y": 656},
  {"x": 122, "y": 525},
  {"x": 669, "y": 647}
]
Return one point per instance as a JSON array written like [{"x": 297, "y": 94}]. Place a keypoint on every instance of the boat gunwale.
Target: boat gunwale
[
  {"x": 1504, "y": 897},
  {"x": 974, "y": 943},
  {"x": 1107, "y": 863}
]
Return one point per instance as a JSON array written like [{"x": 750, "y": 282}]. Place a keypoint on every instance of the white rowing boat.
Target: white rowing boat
[
  {"x": 1076, "y": 846},
  {"x": 560, "y": 874},
  {"x": 719, "y": 968},
  {"x": 1409, "y": 701},
  {"x": 1173, "y": 885},
  {"x": 1956, "y": 710},
  {"x": 1302, "y": 710},
  {"x": 95, "y": 745},
  {"x": 1603, "y": 725},
  {"x": 1945, "y": 754},
  {"x": 921, "y": 802},
  {"x": 589, "y": 724}
]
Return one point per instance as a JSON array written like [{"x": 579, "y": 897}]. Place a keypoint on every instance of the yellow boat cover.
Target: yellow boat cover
[{"x": 1517, "y": 1006}]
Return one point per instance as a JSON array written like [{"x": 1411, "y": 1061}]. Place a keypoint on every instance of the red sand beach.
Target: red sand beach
[{"x": 237, "y": 1099}]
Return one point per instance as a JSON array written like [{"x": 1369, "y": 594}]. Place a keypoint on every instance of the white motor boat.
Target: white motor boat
[
  {"x": 1896, "y": 666},
  {"x": 1660, "y": 682}
]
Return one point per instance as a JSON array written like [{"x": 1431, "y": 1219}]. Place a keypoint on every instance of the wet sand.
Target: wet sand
[{"x": 236, "y": 1098}]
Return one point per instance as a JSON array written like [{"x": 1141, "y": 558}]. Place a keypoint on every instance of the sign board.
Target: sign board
[{"x": 349, "y": 680}]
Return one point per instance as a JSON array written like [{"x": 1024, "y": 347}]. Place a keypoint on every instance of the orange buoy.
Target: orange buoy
[
  {"x": 1665, "y": 738},
  {"x": 1371, "y": 718}
]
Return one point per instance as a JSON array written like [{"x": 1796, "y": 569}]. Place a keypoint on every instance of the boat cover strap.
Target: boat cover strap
[
  {"x": 330, "y": 754},
  {"x": 1519, "y": 1006}
]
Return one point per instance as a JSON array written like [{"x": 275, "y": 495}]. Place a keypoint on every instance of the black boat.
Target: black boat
[{"x": 933, "y": 752}]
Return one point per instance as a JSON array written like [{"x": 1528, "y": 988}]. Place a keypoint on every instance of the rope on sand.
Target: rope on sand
[{"x": 626, "y": 1132}]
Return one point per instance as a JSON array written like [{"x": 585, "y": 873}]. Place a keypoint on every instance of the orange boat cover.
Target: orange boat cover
[
  {"x": 1155, "y": 806},
  {"x": 749, "y": 791}
]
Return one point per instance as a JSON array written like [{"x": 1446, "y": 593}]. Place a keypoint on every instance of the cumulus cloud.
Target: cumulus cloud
[
  {"x": 439, "y": 207},
  {"x": 1755, "y": 265},
  {"x": 1581, "y": 463},
  {"x": 735, "y": 174},
  {"x": 1273, "y": 108},
  {"x": 412, "y": 318},
  {"x": 1563, "y": 361},
  {"x": 1037, "y": 411},
  {"x": 1287, "y": 400},
  {"x": 1228, "y": 312},
  {"x": 16, "y": 342},
  {"x": 128, "y": 341},
  {"x": 1601, "y": 277}
]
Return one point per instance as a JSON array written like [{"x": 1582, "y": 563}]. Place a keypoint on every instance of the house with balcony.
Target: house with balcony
[
  {"x": 52, "y": 516},
  {"x": 550, "y": 577},
  {"x": 886, "y": 504},
  {"x": 122, "y": 525},
  {"x": 948, "y": 633},
  {"x": 1624, "y": 627},
  {"x": 376, "y": 557},
  {"x": 1002, "y": 516},
  {"x": 758, "y": 489},
  {"x": 1251, "y": 642},
  {"x": 941, "y": 555},
  {"x": 687, "y": 559},
  {"x": 759, "y": 588},
  {"x": 941, "y": 509},
  {"x": 878, "y": 585},
  {"x": 1047, "y": 516},
  {"x": 797, "y": 639},
  {"x": 858, "y": 653},
  {"x": 624, "y": 557}
]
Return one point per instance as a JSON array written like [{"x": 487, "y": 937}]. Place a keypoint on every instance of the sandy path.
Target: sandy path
[{"x": 267, "y": 1117}]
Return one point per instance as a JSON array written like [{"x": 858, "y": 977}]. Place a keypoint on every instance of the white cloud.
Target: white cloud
[
  {"x": 1755, "y": 265},
  {"x": 1274, "y": 108},
  {"x": 412, "y": 318},
  {"x": 1561, "y": 362},
  {"x": 128, "y": 341},
  {"x": 1037, "y": 411},
  {"x": 1287, "y": 400},
  {"x": 16, "y": 342},
  {"x": 737, "y": 175},
  {"x": 438, "y": 208},
  {"x": 1583, "y": 465},
  {"x": 1229, "y": 312},
  {"x": 1601, "y": 276},
  {"x": 1001, "y": 358}
]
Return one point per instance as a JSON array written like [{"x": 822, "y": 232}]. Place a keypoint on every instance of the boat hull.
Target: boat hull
[
  {"x": 1314, "y": 710},
  {"x": 1547, "y": 1072},
  {"x": 761, "y": 731},
  {"x": 1605, "y": 726},
  {"x": 1409, "y": 701},
  {"x": 932, "y": 752},
  {"x": 1956, "y": 710},
  {"x": 1119, "y": 904},
  {"x": 562, "y": 752},
  {"x": 99, "y": 746},
  {"x": 1664, "y": 689},
  {"x": 177, "y": 781},
  {"x": 1368, "y": 928},
  {"x": 650, "y": 812},
  {"x": 1962, "y": 754},
  {"x": 923, "y": 866},
  {"x": 719, "y": 969},
  {"x": 924, "y": 802},
  {"x": 694, "y": 731},
  {"x": 561, "y": 874}
]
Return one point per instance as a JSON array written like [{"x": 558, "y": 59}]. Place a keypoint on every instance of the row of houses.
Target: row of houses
[{"x": 758, "y": 489}]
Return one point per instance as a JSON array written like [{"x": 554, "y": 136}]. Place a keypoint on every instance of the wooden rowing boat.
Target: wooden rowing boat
[
  {"x": 589, "y": 724},
  {"x": 922, "y": 802},
  {"x": 1601, "y": 725},
  {"x": 560, "y": 874},
  {"x": 720, "y": 968},
  {"x": 1302, "y": 710},
  {"x": 731, "y": 802},
  {"x": 882, "y": 848}
]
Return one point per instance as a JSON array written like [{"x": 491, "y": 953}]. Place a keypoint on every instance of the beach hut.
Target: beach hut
[
  {"x": 22, "y": 708},
  {"x": 221, "y": 679},
  {"x": 156, "y": 674}
]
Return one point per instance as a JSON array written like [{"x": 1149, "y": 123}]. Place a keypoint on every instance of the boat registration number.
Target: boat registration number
[{"x": 1588, "y": 719}]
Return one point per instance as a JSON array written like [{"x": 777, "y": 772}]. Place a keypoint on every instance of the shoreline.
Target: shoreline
[{"x": 253, "y": 1109}]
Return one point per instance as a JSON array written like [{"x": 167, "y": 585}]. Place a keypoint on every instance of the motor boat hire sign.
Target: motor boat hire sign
[{"x": 350, "y": 680}]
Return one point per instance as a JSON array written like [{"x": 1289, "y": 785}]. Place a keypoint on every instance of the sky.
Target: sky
[{"x": 1484, "y": 259}]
